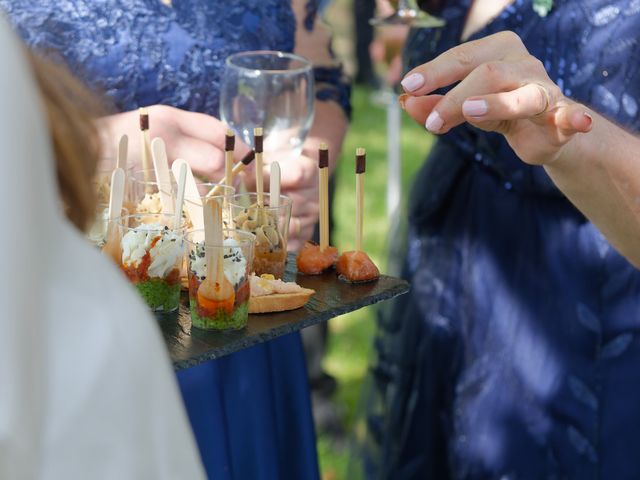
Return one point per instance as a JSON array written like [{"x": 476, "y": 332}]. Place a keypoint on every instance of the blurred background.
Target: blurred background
[{"x": 349, "y": 347}]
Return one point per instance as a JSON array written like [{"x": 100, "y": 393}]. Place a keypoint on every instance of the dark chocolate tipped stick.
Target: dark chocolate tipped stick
[
  {"x": 237, "y": 168},
  {"x": 361, "y": 161},
  {"x": 146, "y": 147},
  {"x": 229, "y": 145},
  {"x": 323, "y": 178},
  {"x": 257, "y": 135}
]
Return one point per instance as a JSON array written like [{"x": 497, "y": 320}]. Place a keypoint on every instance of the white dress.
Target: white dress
[{"x": 86, "y": 386}]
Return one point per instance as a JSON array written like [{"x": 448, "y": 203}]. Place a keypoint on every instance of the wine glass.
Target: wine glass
[
  {"x": 272, "y": 90},
  {"x": 408, "y": 13}
]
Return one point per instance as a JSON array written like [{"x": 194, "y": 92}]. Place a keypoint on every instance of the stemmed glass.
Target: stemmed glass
[
  {"x": 408, "y": 13},
  {"x": 272, "y": 90}
]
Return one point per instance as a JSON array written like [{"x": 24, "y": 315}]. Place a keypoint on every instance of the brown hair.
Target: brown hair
[{"x": 70, "y": 111}]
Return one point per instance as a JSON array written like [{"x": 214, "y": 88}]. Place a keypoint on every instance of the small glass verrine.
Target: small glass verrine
[
  {"x": 270, "y": 225},
  {"x": 97, "y": 233},
  {"x": 237, "y": 253},
  {"x": 151, "y": 254}
]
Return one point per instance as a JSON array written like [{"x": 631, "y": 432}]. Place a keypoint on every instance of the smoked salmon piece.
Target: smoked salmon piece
[
  {"x": 356, "y": 266},
  {"x": 312, "y": 261}
]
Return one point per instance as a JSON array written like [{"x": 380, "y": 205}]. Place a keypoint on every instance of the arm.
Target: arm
[
  {"x": 313, "y": 41},
  {"x": 504, "y": 89},
  {"x": 600, "y": 174}
]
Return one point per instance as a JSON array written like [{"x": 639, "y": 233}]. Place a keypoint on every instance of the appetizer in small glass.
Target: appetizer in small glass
[
  {"x": 270, "y": 225},
  {"x": 152, "y": 251},
  {"x": 220, "y": 302}
]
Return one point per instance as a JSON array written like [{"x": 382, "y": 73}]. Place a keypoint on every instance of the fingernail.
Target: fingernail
[
  {"x": 589, "y": 118},
  {"x": 412, "y": 82},
  {"x": 402, "y": 100},
  {"x": 434, "y": 122},
  {"x": 475, "y": 108}
]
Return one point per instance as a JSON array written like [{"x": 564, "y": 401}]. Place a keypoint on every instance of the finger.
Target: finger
[
  {"x": 419, "y": 108},
  {"x": 205, "y": 160},
  {"x": 207, "y": 129},
  {"x": 489, "y": 78},
  {"x": 456, "y": 63},
  {"x": 573, "y": 118},
  {"x": 304, "y": 202},
  {"x": 298, "y": 172},
  {"x": 522, "y": 103},
  {"x": 527, "y": 102}
]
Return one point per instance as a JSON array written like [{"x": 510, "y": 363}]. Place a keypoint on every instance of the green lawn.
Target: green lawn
[{"x": 351, "y": 335}]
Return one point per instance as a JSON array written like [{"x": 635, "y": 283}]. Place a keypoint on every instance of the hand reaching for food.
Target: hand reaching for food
[
  {"x": 196, "y": 137},
  {"x": 501, "y": 88}
]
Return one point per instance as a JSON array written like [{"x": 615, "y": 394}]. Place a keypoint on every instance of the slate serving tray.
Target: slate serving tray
[{"x": 189, "y": 347}]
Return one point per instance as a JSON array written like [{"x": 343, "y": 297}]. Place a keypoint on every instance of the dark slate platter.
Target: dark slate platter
[{"x": 189, "y": 347}]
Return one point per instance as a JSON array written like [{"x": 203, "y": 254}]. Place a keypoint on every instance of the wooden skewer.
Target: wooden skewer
[
  {"x": 257, "y": 135},
  {"x": 237, "y": 168},
  {"x": 274, "y": 185},
  {"x": 163, "y": 177},
  {"x": 361, "y": 160},
  {"x": 323, "y": 179},
  {"x": 229, "y": 146},
  {"x": 145, "y": 142}
]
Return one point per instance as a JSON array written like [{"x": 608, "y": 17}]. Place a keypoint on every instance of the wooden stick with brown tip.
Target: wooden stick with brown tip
[
  {"x": 145, "y": 142},
  {"x": 237, "y": 168},
  {"x": 258, "y": 140},
  {"x": 229, "y": 146},
  {"x": 361, "y": 160},
  {"x": 323, "y": 179}
]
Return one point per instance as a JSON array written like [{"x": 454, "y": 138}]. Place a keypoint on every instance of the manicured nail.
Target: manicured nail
[
  {"x": 402, "y": 100},
  {"x": 412, "y": 82},
  {"x": 589, "y": 119},
  {"x": 475, "y": 108},
  {"x": 434, "y": 122}
]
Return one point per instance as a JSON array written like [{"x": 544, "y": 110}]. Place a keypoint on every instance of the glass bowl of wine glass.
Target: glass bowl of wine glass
[{"x": 272, "y": 90}]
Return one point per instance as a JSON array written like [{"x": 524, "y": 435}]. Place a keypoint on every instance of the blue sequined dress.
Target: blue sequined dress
[
  {"x": 250, "y": 411},
  {"x": 517, "y": 354}
]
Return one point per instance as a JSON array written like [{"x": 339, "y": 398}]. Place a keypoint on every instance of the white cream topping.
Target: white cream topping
[
  {"x": 235, "y": 264},
  {"x": 165, "y": 253}
]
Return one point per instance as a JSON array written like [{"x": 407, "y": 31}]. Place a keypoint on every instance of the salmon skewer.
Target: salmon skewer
[
  {"x": 356, "y": 266},
  {"x": 314, "y": 259}
]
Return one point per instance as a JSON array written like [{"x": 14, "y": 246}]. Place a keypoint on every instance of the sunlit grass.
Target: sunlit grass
[{"x": 351, "y": 335}]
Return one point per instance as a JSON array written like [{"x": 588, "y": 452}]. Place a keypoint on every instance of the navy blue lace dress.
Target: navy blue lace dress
[
  {"x": 250, "y": 411},
  {"x": 517, "y": 354}
]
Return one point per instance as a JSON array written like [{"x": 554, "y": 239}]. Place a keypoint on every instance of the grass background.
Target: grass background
[{"x": 350, "y": 342}]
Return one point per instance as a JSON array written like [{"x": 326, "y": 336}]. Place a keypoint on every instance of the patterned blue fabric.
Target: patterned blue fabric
[
  {"x": 516, "y": 355},
  {"x": 141, "y": 52},
  {"x": 250, "y": 411}
]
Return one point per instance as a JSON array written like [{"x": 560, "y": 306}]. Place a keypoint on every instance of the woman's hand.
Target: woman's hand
[
  {"x": 195, "y": 137},
  {"x": 503, "y": 89},
  {"x": 299, "y": 181}
]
